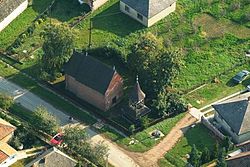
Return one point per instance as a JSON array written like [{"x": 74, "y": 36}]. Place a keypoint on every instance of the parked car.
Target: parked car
[
  {"x": 57, "y": 139},
  {"x": 248, "y": 88},
  {"x": 240, "y": 76}
]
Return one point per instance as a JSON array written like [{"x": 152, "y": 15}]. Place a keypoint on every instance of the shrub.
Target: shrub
[{"x": 6, "y": 101}]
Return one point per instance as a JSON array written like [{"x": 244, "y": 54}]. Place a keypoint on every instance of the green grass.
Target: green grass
[
  {"x": 145, "y": 142},
  {"x": 215, "y": 91},
  {"x": 21, "y": 23},
  {"x": 199, "y": 135}
]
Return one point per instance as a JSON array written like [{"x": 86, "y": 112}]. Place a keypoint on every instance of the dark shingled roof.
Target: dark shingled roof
[
  {"x": 89, "y": 71},
  {"x": 7, "y": 7},
  {"x": 137, "y": 95},
  {"x": 236, "y": 114},
  {"x": 149, "y": 8}
]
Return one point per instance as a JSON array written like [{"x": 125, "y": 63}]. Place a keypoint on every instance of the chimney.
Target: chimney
[
  {"x": 248, "y": 98},
  {"x": 114, "y": 68}
]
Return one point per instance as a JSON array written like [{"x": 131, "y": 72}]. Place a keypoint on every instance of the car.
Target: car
[
  {"x": 57, "y": 139},
  {"x": 248, "y": 88},
  {"x": 240, "y": 76},
  {"x": 248, "y": 53}
]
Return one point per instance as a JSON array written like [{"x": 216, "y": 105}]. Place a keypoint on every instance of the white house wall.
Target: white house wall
[
  {"x": 98, "y": 3},
  {"x": 133, "y": 13},
  {"x": 13, "y": 15},
  {"x": 147, "y": 21},
  {"x": 161, "y": 15}
]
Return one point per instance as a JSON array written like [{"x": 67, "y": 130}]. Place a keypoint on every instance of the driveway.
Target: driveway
[{"x": 30, "y": 101}]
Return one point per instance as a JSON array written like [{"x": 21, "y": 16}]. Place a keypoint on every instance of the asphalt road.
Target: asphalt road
[{"x": 31, "y": 101}]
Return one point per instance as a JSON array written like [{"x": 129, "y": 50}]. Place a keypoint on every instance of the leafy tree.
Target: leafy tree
[
  {"x": 176, "y": 104},
  {"x": 145, "y": 122},
  {"x": 6, "y": 101},
  {"x": 215, "y": 152},
  {"x": 132, "y": 129},
  {"x": 45, "y": 121},
  {"x": 221, "y": 159},
  {"x": 161, "y": 103},
  {"x": 205, "y": 156},
  {"x": 57, "y": 48},
  {"x": 227, "y": 143},
  {"x": 194, "y": 158},
  {"x": 77, "y": 142}
]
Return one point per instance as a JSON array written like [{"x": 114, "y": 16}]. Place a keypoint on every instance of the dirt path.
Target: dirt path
[{"x": 151, "y": 157}]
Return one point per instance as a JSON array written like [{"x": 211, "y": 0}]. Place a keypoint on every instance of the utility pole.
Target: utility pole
[{"x": 90, "y": 33}]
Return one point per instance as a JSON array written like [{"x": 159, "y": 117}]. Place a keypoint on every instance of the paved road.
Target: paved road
[{"x": 31, "y": 101}]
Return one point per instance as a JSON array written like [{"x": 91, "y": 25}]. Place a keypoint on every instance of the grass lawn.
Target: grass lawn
[
  {"x": 215, "y": 91},
  {"x": 22, "y": 22},
  {"x": 144, "y": 141},
  {"x": 199, "y": 135}
]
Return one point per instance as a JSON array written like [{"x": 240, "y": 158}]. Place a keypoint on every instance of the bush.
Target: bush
[{"x": 6, "y": 101}]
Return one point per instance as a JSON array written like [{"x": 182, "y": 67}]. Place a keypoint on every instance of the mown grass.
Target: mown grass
[
  {"x": 199, "y": 135},
  {"x": 145, "y": 142}
]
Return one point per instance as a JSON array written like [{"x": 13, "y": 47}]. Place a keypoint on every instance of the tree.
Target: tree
[
  {"x": 221, "y": 159},
  {"x": 145, "y": 122},
  {"x": 215, "y": 152},
  {"x": 161, "y": 103},
  {"x": 45, "y": 121},
  {"x": 194, "y": 158},
  {"x": 132, "y": 129},
  {"x": 176, "y": 104},
  {"x": 57, "y": 48},
  {"x": 205, "y": 156},
  {"x": 227, "y": 143},
  {"x": 77, "y": 143},
  {"x": 6, "y": 101}
]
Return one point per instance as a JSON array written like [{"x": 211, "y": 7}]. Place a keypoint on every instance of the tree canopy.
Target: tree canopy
[
  {"x": 57, "y": 47},
  {"x": 45, "y": 121},
  {"x": 77, "y": 142},
  {"x": 5, "y": 101}
]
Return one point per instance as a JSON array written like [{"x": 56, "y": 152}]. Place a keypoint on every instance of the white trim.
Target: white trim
[{"x": 13, "y": 15}]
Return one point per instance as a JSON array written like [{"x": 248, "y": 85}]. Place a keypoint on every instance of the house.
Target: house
[
  {"x": 233, "y": 116},
  {"x": 240, "y": 160},
  {"x": 147, "y": 12},
  {"x": 136, "y": 107},
  {"x": 52, "y": 158},
  {"x": 6, "y": 131},
  {"x": 8, "y": 155},
  {"x": 93, "y": 4},
  {"x": 93, "y": 81},
  {"x": 9, "y": 10}
]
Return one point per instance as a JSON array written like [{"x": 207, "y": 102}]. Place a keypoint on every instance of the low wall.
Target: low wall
[{"x": 212, "y": 128}]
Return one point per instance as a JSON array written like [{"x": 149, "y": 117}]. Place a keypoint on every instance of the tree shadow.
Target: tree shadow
[
  {"x": 199, "y": 136},
  {"x": 62, "y": 10},
  {"x": 114, "y": 21}
]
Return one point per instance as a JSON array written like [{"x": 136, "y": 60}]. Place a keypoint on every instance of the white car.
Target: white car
[{"x": 248, "y": 88}]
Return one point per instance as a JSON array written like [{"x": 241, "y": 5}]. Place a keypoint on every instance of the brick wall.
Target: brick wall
[{"x": 103, "y": 102}]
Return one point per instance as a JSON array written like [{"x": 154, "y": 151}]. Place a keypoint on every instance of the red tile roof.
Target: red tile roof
[
  {"x": 3, "y": 156},
  {"x": 5, "y": 130}
]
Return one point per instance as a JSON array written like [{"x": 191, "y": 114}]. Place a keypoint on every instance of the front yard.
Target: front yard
[{"x": 199, "y": 135}]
